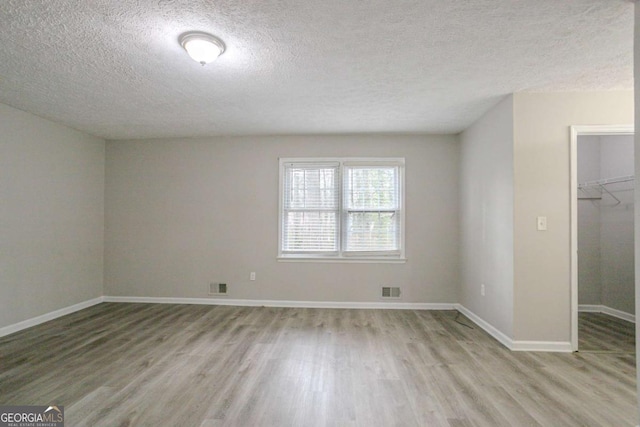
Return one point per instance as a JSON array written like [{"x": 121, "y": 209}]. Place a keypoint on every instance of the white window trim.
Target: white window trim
[{"x": 354, "y": 257}]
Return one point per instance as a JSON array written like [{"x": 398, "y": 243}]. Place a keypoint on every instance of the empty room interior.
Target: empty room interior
[{"x": 301, "y": 213}]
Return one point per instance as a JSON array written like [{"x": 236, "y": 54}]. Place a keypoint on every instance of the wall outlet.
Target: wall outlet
[
  {"x": 482, "y": 289},
  {"x": 252, "y": 275}
]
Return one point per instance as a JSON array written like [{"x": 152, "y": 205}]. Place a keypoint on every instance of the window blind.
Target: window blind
[
  {"x": 311, "y": 208},
  {"x": 371, "y": 206}
]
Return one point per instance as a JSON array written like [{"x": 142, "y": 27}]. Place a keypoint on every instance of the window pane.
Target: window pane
[
  {"x": 310, "y": 232},
  {"x": 372, "y": 231},
  {"x": 311, "y": 188},
  {"x": 372, "y": 188}
]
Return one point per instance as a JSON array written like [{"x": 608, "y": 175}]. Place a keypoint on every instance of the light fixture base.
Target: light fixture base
[{"x": 202, "y": 47}]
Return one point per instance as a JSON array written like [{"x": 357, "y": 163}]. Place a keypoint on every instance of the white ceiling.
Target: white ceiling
[{"x": 114, "y": 68}]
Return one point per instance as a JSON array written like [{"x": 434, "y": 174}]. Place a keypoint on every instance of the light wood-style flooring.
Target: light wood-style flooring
[
  {"x": 600, "y": 332},
  {"x": 190, "y": 365}
]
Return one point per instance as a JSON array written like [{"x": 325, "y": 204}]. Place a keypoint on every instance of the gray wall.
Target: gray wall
[
  {"x": 486, "y": 211},
  {"x": 605, "y": 228},
  {"x": 616, "y": 228},
  {"x": 181, "y": 213},
  {"x": 51, "y": 216},
  {"x": 542, "y": 298},
  {"x": 540, "y": 260}
]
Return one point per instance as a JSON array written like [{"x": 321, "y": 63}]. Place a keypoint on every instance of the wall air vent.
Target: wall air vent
[
  {"x": 217, "y": 288},
  {"x": 390, "y": 292}
]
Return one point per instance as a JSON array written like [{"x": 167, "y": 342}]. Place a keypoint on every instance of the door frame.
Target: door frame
[{"x": 576, "y": 131}]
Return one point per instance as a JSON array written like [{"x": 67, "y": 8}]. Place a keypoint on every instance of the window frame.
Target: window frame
[{"x": 396, "y": 256}]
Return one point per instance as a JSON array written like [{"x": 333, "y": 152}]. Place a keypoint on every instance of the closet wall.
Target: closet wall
[{"x": 605, "y": 223}]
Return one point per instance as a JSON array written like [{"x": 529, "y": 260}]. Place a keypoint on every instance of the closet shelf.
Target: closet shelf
[
  {"x": 601, "y": 182},
  {"x": 599, "y": 187}
]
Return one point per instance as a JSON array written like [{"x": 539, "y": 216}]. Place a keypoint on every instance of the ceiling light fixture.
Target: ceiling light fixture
[{"x": 202, "y": 47}]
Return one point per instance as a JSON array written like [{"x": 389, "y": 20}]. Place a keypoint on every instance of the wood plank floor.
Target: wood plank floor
[
  {"x": 189, "y": 365},
  {"x": 604, "y": 333}
]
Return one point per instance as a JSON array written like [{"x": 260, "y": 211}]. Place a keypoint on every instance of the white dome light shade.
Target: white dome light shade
[{"x": 202, "y": 47}]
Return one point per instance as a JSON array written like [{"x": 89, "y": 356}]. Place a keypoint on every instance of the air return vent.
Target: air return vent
[
  {"x": 390, "y": 292},
  {"x": 217, "y": 288}
]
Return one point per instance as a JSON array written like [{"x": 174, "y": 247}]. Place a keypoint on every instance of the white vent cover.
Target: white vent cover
[
  {"x": 217, "y": 288},
  {"x": 390, "y": 292}
]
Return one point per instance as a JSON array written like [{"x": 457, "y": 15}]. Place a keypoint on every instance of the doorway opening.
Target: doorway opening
[{"x": 602, "y": 238}]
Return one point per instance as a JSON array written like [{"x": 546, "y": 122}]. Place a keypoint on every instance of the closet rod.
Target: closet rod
[{"x": 606, "y": 181}]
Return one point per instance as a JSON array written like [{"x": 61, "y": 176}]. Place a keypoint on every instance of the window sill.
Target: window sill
[{"x": 354, "y": 260}]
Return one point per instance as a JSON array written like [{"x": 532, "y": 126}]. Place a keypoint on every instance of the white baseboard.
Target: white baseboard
[
  {"x": 7, "y": 330},
  {"x": 595, "y": 308},
  {"x": 550, "y": 346},
  {"x": 590, "y": 308},
  {"x": 284, "y": 303},
  {"x": 488, "y": 328}
]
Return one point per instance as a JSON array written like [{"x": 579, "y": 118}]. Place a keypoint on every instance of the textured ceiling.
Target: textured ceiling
[{"x": 114, "y": 68}]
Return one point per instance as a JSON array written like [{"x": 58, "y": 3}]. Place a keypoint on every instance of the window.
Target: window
[{"x": 341, "y": 209}]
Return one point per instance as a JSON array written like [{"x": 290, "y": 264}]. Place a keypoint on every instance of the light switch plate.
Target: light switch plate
[{"x": 542, "y": 223}]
